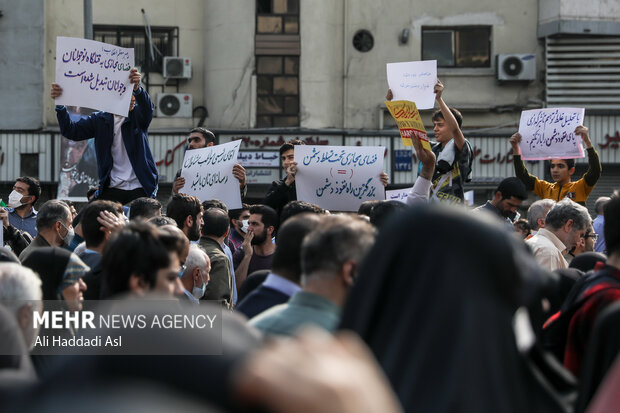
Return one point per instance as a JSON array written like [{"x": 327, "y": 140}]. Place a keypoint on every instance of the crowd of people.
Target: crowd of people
[{"x": 414, "y": 306}]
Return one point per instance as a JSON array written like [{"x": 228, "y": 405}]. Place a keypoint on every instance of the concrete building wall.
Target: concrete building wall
[
  {"x": 473, "y": 89},
  {"x": 574, "y": 9},
  {"x": 21, "y": 64},
  {"x": 62, "y": 18},
  {"x": 228, "y": 42},
  {"x": 321, "y": 70}
]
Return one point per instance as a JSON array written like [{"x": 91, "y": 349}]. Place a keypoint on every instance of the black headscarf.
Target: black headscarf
[
  {"x": 435, "y": 302},
  {"x": 586, "y": 261},
  {"x": 57, "y": 268},
  {"x": 567, "y": 277}
]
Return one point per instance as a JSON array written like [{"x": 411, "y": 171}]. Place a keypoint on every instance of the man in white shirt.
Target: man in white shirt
[{"x": 565, "y": 225}]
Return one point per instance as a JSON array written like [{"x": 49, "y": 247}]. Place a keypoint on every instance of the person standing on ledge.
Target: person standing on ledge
[
  {"x": 561, "y": 172},
  {"x": 125, "y": 162}
]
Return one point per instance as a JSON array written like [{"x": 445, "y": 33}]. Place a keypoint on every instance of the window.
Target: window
[
  {"x": 277, "y": 16},
  {"x": 164, "y": 40},
  {"x": 468, "y": 46},
  {"x": 277, "y": 51}
]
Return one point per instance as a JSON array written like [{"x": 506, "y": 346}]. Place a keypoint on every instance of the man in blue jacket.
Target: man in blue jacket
[{"x": 124, "y": 160}]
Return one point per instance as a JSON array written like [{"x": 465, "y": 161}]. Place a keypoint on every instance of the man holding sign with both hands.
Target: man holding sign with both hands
[{"x": 124, "y": 159}]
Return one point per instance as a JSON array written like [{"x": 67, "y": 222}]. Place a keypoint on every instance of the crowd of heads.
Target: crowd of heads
[{"x": 387, "y": 268}]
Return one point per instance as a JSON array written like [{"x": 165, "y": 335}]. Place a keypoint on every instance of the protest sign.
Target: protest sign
[
  {"x": 339, "y": 178},
  {"x": 94, "y": 74},
  {"x": 208, "y": 174},
  {"x": 399, "y": 195},
  {"x": 409, "y": 122},
  {"x": 413, "y": 81},
  {"x": 550, "y": 133}
]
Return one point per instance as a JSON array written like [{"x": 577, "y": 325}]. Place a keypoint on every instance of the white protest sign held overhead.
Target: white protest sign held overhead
[
  {"x": 339, "y": 178},
  {"x": 550, "y": 133},
  {"x": 413, "y": 81},
  {"x": 399, "y": 195},
  {"x": 208, "y": 174},
  {"x": 94, "y": 74}
]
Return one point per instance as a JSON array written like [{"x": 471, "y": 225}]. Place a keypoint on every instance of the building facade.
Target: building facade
[{"x": 269, "y": 70}]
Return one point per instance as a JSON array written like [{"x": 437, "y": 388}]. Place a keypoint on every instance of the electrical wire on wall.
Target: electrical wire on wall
[{"x": 203, "y": 116}]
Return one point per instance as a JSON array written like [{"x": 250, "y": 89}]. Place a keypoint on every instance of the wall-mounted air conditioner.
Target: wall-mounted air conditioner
[
  {"x": 521, "y": 67},
  {"x": 174, "y": 105},
  {"x": 177, "y": 67}
]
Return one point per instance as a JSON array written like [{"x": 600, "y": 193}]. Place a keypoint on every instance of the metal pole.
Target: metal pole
[{"x": 88, "y": 19}]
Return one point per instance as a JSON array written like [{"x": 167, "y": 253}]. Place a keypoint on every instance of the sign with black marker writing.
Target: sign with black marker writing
[
  {"x": 550, "y": 133},
  {"x": 413, "y": 81},
  {"x": 208, "y": 174}
]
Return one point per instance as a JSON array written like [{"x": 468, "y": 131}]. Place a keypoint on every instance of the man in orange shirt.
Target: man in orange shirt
[{"x": 561, "y": 172}]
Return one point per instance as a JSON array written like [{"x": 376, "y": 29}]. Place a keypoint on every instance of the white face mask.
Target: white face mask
[
  {"x": 198, "y": 292},
  {"x": 69, "y": 237},
  {"x": 15, "y": 199},
  {"x": 245, "y": 224}
]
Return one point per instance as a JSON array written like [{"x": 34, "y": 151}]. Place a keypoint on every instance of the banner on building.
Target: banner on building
[{"x": 78, "y": 163}]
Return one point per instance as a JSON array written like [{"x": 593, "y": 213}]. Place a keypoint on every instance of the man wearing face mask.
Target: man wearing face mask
[
  {"x": 214, "y": 232},
  {"x": 22, "y": 215},
  {"x": 53, "y": 226},
  {"x": 195, "y": 277},
  {"x": 239, "y": 224}
]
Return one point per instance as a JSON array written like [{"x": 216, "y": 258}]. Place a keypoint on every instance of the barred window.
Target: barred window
[{"x": 164, "y": 42}]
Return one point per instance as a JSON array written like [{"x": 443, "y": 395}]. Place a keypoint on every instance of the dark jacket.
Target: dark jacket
[
  {"x": 37, "y": 242},
  {"x": 220, "y": 283},
  {"x": 260, "y": 300},
  {"x": 280, "y": 194},
  {"x": 17, "y": 240},
  {"x": 100, "y": 125}
]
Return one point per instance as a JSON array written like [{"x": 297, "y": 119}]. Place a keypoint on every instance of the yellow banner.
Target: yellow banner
[{"x": 409, "y": 122}]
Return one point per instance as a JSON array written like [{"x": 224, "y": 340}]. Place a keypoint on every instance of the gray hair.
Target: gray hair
[
  {"x": 196, "y": 258},
  {"x": 538, "y": 210},
  {"x": 565, "y": 210},
  {"x": 51, "y": 212},
  {"x": 600, "y": 204},
  {"x": 336, "y": 239},
  {"x": 18, "y": 286}
]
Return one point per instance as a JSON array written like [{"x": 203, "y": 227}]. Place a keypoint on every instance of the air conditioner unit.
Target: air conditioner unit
[
  {"x": 516, "y": 67},
  {"x": 177, "y": 67},
  {"x": 174, "y": 105}
]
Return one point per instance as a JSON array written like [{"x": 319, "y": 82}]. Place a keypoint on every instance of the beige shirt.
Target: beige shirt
[{"x": 548, "y": 250}]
